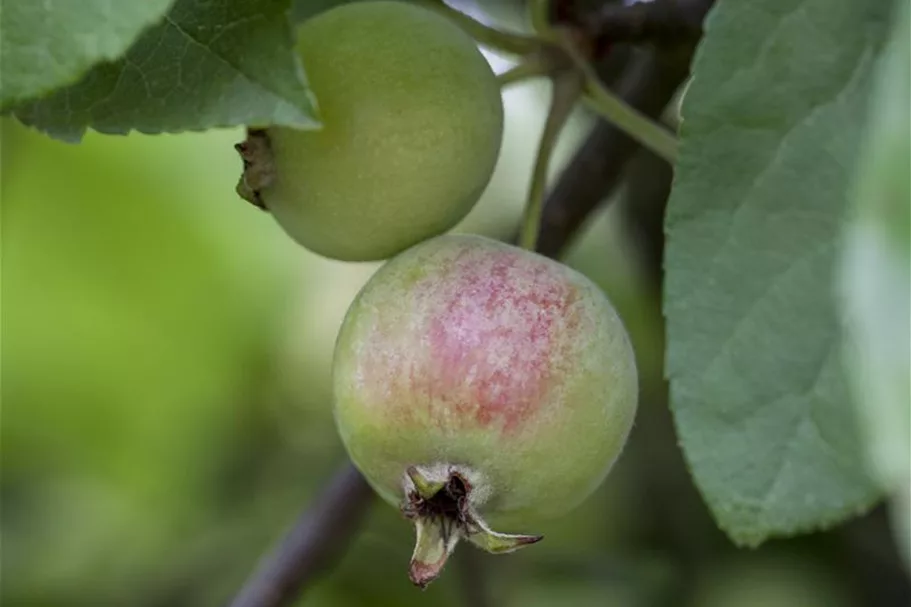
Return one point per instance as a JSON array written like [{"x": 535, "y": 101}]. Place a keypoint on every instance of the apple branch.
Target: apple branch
[
  {"x": 647, "y": 84},
  {"x": 666, "y": 22},
  {"x": 644, "y": 129},
  {"x": 321, "y": 533}
]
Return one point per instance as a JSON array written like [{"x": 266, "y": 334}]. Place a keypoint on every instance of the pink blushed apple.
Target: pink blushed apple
[{"x": 479, "y": 385}]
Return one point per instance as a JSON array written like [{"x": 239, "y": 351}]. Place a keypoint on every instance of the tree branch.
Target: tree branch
[
  {"x": 648, "y": 85},
  {"x": 647, "y": 187},
  {"x": 664, "y": 22},
  {"x": 311, "y": 545}
]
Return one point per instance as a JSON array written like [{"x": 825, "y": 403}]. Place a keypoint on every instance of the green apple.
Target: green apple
[{"x": 412, "y": 123}]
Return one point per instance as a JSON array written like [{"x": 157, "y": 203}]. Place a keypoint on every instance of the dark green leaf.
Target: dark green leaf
[
  {"x": 771, "y": 125},
  {"x": 44, "y": 45},
  {"x": 208, "y": 64}
]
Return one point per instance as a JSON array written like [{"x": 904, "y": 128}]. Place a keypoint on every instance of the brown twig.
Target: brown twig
[
  {"x": 666, "y": 22},
  {"x": 647, "y": 187},
  {"x": 648, "y": 84},
  {"x": 309, "y": 547}
]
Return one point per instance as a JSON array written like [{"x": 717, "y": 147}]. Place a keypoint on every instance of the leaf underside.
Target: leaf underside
[
  {"x": 44, "y": 45},
  {"x": 207, "y": 64},
  {"x": 771, "y": 126}
]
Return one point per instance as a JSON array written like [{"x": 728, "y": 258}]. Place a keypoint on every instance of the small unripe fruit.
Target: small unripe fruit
[
  {"x": 412, "y": 122},
  {"x": 477, "y": 384}
]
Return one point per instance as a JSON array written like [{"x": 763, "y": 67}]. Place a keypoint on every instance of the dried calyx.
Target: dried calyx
[
  {"x": 442, "y": 503},
  {"x": 259, "y": 169}
]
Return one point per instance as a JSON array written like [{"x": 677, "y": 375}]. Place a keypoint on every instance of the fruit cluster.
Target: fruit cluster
[{"x": 476, "y": 384}]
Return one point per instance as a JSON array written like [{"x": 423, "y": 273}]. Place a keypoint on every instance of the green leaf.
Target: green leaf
[
  {"x": 44, "y": 45},
  {"x": 771, "y": 126},
  {"x": 207, "y": 64},
  {"x": 876, "y": 280}
]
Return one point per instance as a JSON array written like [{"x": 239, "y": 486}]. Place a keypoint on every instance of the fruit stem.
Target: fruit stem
[
  {"x": 565, "y": 91},
  {"x": 635, "y": 124},
  {"x": 532, "y": 66},
  {"x": 508, "y": 42},
  {"x": 628, "y": 119},
  {"x": 539, "y": 13}
]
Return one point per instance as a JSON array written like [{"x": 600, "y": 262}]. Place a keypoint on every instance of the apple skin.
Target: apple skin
[
  {"x": 412, "y": 128},
  {"x": 468, "y": 352}
]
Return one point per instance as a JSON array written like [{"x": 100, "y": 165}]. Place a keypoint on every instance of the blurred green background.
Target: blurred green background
[{"x": 166, "y": 405}]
